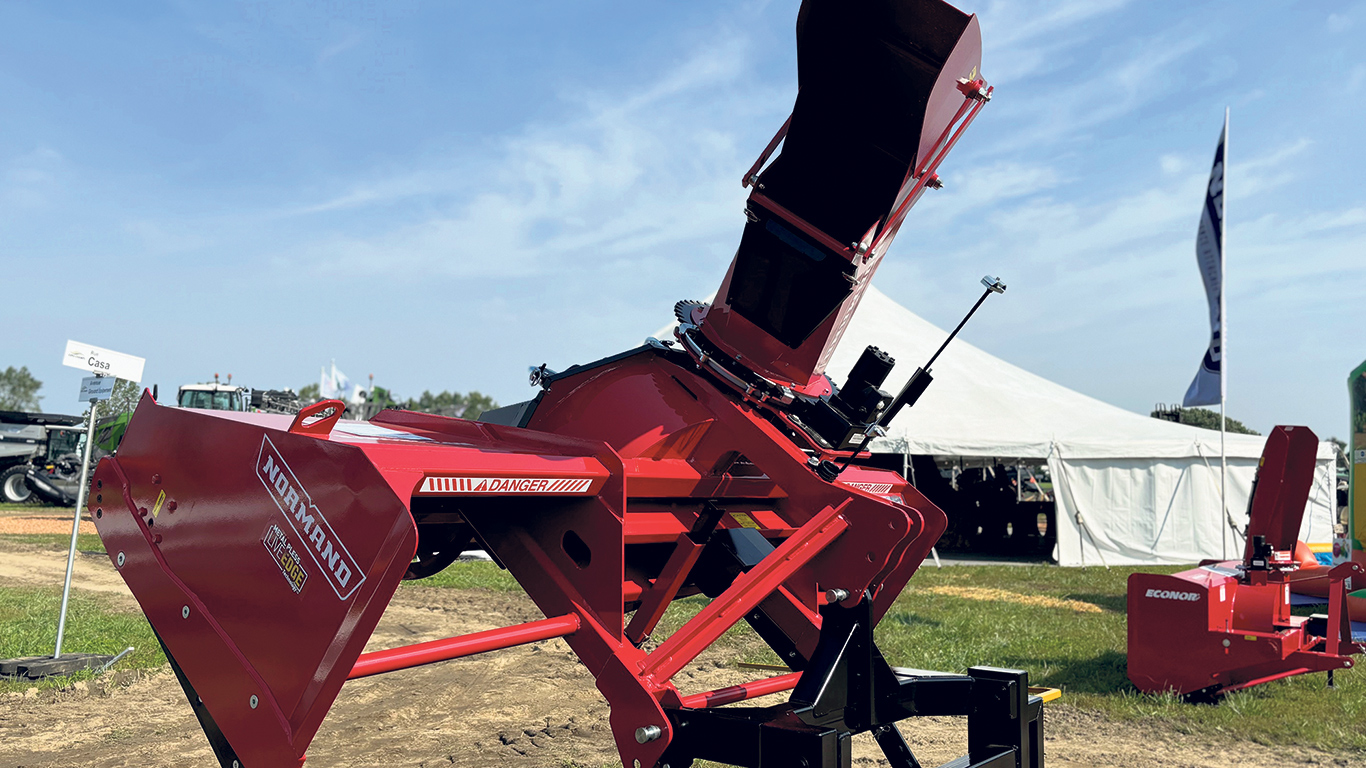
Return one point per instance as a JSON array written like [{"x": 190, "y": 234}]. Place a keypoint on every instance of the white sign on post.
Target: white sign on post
[
  {"x": 97, "y": 388},
  {"x": 105, "y": 362}
]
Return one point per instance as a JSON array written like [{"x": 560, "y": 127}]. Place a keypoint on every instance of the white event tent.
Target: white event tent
[{"x": 1129, "y": 489}]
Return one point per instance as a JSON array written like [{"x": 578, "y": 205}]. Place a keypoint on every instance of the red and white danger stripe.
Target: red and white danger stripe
[
  {"x": 513, "y": 485},
  {"x": 872, "y": 487}
]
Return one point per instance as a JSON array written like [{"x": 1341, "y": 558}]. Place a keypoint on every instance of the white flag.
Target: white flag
[
  {"x": 327, "y": 388},
  {"x": 334, "y": 384},
  {"x": 1209, "y": 248}
]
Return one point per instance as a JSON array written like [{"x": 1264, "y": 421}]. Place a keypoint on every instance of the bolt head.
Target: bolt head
[
  {"x": 254, "y": 701},
  {"x": 185, "y": 612},
  {"x": 119, "y": 559},
  {"x": 635, "y": 763}
]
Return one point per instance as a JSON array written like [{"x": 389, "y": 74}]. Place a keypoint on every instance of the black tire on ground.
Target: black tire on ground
[{"x": 13, "y": 489}]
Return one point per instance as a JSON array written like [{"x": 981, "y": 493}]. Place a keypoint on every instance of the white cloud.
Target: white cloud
[
  {"x": 621, "y": 175},
  {"x": 30, "y": 180}
]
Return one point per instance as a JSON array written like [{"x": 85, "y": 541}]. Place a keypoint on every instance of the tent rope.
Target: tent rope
[{"x": 1228, "y": 516}]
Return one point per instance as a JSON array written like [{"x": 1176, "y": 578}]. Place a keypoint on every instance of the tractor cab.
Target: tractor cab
[{"x": 212, "y": 397}]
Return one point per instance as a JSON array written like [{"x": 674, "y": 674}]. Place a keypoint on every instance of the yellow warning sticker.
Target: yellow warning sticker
[
  {"x": 744, "y": 520},
  {"x": 156, "y": 508}
]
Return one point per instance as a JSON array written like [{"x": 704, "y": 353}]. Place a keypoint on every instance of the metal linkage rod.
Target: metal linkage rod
[
  {"x": 409, "y": 656},
  {"x": 742, "y": 692},
  {"x": 920, "y": 380}
]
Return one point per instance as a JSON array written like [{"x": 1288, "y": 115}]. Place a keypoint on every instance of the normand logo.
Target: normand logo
[{"x": 320, "y": 541}]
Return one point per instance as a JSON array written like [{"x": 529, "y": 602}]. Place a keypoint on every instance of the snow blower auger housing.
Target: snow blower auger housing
[{"x": 264, "y": 549}]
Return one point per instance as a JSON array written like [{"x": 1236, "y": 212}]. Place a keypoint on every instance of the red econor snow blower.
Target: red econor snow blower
[
  {"x": 264, "y": 549},
  {"x": 1228, "y": 625}
]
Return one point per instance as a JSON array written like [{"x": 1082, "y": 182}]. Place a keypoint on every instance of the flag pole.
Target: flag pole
[{"x": 1223, "y": 342}]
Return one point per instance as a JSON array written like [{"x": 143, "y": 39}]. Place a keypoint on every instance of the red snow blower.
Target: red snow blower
[
  {"x": 1228, "y": 625},
  {"x": 264, "y": 549}
]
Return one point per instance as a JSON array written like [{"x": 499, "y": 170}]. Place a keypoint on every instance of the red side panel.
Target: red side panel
[
  {"x": 1171, "y": 645},
  {"x": 262, "y": 558}
]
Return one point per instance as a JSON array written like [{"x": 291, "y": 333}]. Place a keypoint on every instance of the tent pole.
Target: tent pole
[{"x": 908, "y": 471}]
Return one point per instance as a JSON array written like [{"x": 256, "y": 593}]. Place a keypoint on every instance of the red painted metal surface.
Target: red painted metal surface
[
  {"x": 270, "y": 575},
  {"x": 1285, "y": 476},
  {"x": 409, "y": 656},
  {"x": 1228, "y": 625},
  {"x": 742, "y": 692},
  {"x": 290, "y": 536}
]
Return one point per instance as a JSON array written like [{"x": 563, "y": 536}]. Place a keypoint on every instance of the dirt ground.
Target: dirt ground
[
  {"x": 528, "y": 707},
  {"x": 19, "y": 523}
]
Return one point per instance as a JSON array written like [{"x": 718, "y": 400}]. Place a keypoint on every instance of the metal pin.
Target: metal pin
[{"x": 648, "y": 733}]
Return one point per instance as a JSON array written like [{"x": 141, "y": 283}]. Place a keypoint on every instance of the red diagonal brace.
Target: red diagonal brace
[
  {"x": 656, "y": 599},
  {"x": 748, "y": 590}
]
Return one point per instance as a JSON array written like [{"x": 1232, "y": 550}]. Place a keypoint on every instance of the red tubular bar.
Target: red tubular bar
[
  {"x": 747, "y": 591},
  {"x": 742, "y": 692},
  {"x": 937, "y": 152},
  {"x": 408, "y": 656},
  {"x": 752, "y": 174}
]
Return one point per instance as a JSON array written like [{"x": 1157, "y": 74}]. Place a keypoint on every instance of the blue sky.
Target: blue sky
[{"x": 442, "y": 194}]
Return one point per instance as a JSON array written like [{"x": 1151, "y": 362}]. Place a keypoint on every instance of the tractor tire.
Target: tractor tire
[{"x": 13, "y": 489}]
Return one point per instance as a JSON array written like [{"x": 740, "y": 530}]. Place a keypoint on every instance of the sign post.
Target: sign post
[
  {"x": 106, "y": 365},
  {"x": 94, "y": 389}
]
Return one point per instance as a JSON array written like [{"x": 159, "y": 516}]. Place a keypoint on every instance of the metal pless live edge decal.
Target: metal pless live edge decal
[
  {"x": 308, "y": 523},
  {"x": 285, "y": 556}
]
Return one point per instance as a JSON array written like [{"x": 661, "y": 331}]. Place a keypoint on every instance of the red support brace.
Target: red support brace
[{"x": 408, "y": 656}]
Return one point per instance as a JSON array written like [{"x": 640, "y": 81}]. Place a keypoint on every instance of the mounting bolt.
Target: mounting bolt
[
  {"x": 236, "y": 764},
  {"x": 836, "y": 595},
  {"x": 1227, "y": 643},
  {"x": 119, "y": 559},
  {"x": 635, "y": 763},
  {"x": 254, "y": 701},
  {"x": 185, "y": 612},
  {"x": 648, "y": 733}
]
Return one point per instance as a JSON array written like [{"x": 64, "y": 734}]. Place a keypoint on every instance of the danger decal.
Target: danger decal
[
  {"x": 308, "y": 523},
  {"x": 490, "y": 485},
  {"x": 872, "y": 487},
  {"x": 285, "y": 556}
]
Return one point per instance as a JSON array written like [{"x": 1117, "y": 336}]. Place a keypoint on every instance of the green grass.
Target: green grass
[
  {"x": 475, "y": 574},
  {"x": 1083, "y": 653},
  {"x": 85, "y": 542},
  {"x": 1080, "y": 652},
  {"x": 28, "y": 507},
  {"x": 28, "y": 627}
]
